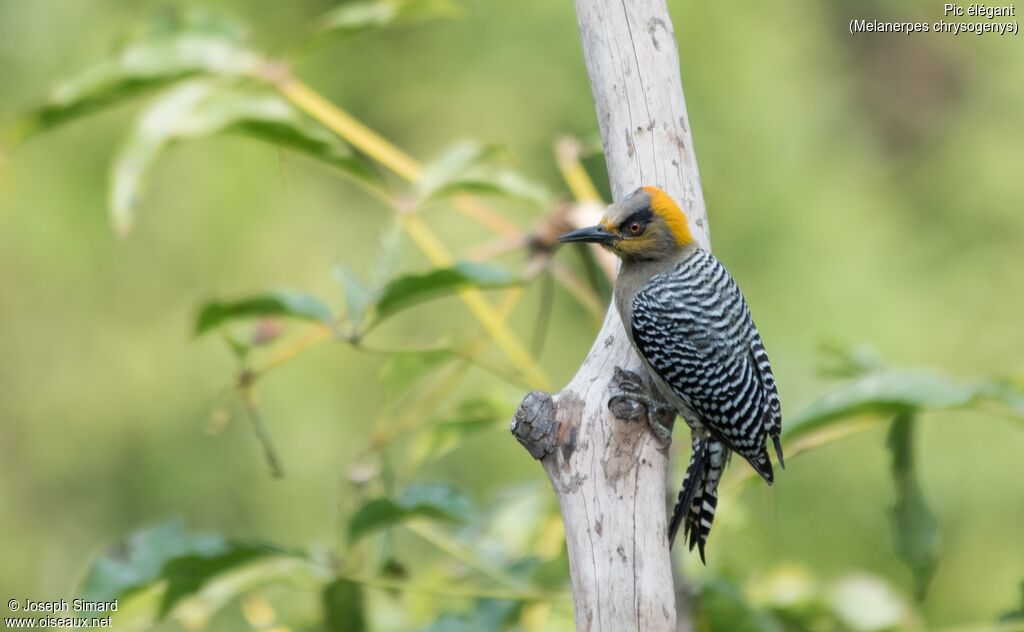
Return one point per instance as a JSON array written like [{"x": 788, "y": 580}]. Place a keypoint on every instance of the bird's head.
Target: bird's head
[{"x": 646, "y": 225}]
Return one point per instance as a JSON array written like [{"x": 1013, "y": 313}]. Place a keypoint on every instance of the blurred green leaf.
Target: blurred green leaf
[
  {"x": 914, "y": 523},
  {"x": 405, "y": 291},
  {"x": 359, "y": 16},
  {"x": 444, "y": 435},
  {"x": 185, "y": 575},
  {"x": 273, "y": 303},
  {"x": 451, "y": 623},
  {"x": 433, "y": 501},
  {"x": 392, "y": 247},
  {"x": 469, "y": 167},
  {"x": 358, "y": 297},
  {"x": 550, "y": 575},
  {"x": 374, "y": 515},
  {"x": 723, "y": 607},
  {"x": 865, "y": 603},
  {"x": 201, "y": 108},
  {"x": 1018, "y": 613},
  {"x": 139, "y": 611},
  {"x": 393, "y": 568},
  {"x": 488, "y": 615},
  {"x": 1006, "y": 393},
  {"x": 841, "y": 361},
  {"x": 891, "y": 392},
  {"x": 404, "y": 368},
  {"x": 174, "y": 46},
  {"x": 343, "y": 606},
  {"x": 138, "y": 559},
  {"x": 240, "y": 349},
  {"x": 165, "y": 552}
]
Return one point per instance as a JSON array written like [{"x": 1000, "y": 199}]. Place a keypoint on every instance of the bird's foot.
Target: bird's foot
[{"x": 630, "y": 400}]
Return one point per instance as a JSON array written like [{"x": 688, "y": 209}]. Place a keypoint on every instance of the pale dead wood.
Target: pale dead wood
[{"x": 605, "y": 466}]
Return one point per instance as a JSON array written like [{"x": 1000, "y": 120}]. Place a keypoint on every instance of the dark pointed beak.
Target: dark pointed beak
[{"x": 591, "y": 234}]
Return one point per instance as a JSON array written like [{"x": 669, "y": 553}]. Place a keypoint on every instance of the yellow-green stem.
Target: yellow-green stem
[{"x": 375, "y": 146}]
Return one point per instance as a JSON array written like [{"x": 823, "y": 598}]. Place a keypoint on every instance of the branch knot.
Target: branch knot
[{"x": 535, "y": 425}]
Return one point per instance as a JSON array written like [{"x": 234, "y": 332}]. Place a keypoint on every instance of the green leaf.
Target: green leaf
[
  {"x": 451, "y": 623},
  {"x": 165, "y": 552},
  {"x": 343, "y": 606},
  {"x": 725, "y": 608},
  {"x": 469, "y": 167},
  {"x": 1006, "y": 393},
  {"x": 206, "y": 107},
  {"x": 405, "y": 291},
  {"x": 140, "y": 558},
  {"x": 358, "y": 297},
  {"x": 840, "y": 361},
  {"x": 238, "y": 348},
  {"x": 389, "y": 255},
  {"x": 360, "y": 16},
  {"x": 273, "y": 303},
  {"x": 1018, "y": 613},
  {"x": 174, "y": 46},
  {"x": 437, "y": 501},
  {"x": 914, "y": 523},
  {"x": 549, "y": 575},
  {"x": 890, "y": 392},
  {"x": 432, "y": 501},
  {"x": 374, "y": 515},
  {"x": 490, "y": 615},
  {"x": 404, "y": 368},
  {"x": 862, "y": 602},
  {"x": 443, "y": 436},
  {"x": 185, "y": 575}
]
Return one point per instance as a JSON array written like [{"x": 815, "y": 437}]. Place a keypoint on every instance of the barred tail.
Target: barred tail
[
  {"x": 691, "y": 481},
  {"x": 698, "y": 496}
]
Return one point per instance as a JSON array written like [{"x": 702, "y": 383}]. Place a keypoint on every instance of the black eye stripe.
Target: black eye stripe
[{"x": 642, "y": 217}]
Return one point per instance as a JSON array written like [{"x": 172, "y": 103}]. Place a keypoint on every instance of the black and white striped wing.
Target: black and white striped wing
[{"x": 692, "y": 325}]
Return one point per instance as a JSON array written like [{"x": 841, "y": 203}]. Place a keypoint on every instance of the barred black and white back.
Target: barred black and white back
[{"x": 692, "y": 325}]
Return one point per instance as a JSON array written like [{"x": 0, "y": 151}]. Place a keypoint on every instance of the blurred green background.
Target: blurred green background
[{"x": 861, "y": 190}]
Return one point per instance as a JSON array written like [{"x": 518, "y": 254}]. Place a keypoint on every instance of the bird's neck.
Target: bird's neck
[{"x": 634, "y": 274}]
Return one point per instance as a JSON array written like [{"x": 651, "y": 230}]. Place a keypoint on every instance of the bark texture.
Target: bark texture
[{"x": 605, "y": 465}]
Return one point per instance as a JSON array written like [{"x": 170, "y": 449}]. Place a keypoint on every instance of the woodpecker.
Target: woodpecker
[{"x": 690, "y": 325}]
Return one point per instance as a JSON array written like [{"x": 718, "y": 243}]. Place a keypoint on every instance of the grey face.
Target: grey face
[{"x": 631, "y": 228}]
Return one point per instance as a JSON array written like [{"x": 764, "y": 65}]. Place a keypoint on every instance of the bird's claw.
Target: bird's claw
[{"x": 631, "y": 401}]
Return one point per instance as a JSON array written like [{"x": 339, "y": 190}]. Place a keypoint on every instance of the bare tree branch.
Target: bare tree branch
[{"x": 606, "y": 467}]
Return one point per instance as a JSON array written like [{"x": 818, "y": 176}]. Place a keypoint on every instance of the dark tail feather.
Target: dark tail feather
[
  {"x": 762, "y": 464},
  {"x": 701, "y": 517},
  {"x": 705, "y": 501},
  {"x": 691, "y": 483},
  {"x": 778, "y": 450},
  {"x": 698, "y": 498}
]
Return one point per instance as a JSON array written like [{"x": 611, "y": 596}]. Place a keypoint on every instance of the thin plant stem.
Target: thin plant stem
[
  {"x": 259, "y": 426},
  {"x": 454, "y": 591},
  {"x": 414, "y": 418},
  {"x": 455, "y": 550},
  {"x": 381, "y": 150},
  {"x": 805, "y": 443},
  {"x": 567, "y": 156},
  {"x": 313, "y": 335}
]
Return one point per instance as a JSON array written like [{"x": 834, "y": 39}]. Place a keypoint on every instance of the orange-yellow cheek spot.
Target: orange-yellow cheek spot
[
  {"x": 673, "y": 216},
  {"x": 636, "y": 245}
]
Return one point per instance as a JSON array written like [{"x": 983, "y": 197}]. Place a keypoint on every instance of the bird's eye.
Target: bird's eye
[{"x": 635, "y": 228}]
